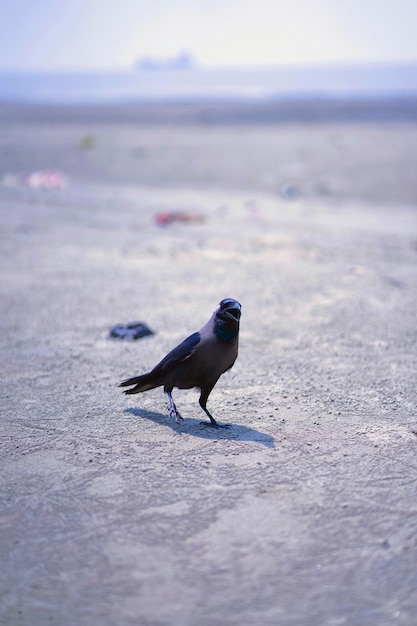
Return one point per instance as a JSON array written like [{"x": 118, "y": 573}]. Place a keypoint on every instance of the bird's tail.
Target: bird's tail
[{"x": 141, "y": 383}]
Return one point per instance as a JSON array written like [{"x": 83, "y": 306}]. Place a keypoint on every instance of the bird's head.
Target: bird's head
[
  {"x": 229, "y": 308},
  {"x": 226, "y": 321}
]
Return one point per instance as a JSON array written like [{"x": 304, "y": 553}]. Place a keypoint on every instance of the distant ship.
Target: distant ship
[{"x": 182, "y": 61}]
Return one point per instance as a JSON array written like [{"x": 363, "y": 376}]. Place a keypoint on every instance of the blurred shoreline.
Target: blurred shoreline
[
  {"x": 283, "y": 110},
  {"x": 261, "y": 86}
]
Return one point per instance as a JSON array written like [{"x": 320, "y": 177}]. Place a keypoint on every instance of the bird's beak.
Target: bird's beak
[{"x": 233, "y": 310}]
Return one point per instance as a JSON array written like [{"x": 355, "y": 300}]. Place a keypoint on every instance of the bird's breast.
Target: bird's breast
[{"x": 207, "y": 363}]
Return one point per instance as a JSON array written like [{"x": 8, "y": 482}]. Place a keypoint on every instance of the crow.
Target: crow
[{"x": 198, "y": 361}]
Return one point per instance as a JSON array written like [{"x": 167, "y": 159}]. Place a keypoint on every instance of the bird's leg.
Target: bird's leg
[
  {"x": 172, "y": 409},
  {"x": 212, "y": 422}
]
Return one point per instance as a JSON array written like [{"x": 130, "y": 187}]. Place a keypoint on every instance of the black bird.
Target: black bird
[{"x": 198, "y": 361}]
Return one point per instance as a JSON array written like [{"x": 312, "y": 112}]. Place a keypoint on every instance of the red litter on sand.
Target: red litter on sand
[{"x": 169, "y": 217}]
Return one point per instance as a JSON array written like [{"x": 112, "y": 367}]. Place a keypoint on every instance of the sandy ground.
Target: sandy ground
[{"x": 304, "y": 512}]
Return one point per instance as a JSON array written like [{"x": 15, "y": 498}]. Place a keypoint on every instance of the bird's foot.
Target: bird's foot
[
  {"x": 174, "y": 414},
  {"x": 215, "y": 425},
  {"x": 172, "y": 409}
]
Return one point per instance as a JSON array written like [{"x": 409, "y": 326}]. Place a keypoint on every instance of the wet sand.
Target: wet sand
[{"x": 304, "y": 510}]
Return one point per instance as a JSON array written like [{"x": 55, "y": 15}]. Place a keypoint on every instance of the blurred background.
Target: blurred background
[
  {"x": 135, "y": 50},
  {"x": 210, "y": 93}
]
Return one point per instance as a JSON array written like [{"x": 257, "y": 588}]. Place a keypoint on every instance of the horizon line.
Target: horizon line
[{"x": 196, "y": 65}]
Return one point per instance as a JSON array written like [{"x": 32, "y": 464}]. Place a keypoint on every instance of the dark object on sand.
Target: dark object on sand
[
  {"x": 198, "y": 361},
  {"x": 132, "y": 330},
  {"x": 185, "y": 217}
]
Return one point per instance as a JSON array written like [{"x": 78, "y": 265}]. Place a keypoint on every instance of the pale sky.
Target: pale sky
[{"x": 114, "y": 34}]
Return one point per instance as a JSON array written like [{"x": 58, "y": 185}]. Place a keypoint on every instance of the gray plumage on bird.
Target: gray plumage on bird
[{"x": 198, "y": 361}]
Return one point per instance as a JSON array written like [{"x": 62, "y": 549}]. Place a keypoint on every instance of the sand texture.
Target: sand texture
[{"x": 303, "y": 512}]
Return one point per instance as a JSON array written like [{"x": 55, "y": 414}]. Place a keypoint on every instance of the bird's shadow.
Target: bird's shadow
[{"x": 193, "y": 427}]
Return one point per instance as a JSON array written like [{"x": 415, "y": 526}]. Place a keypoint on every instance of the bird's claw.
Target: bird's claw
[
  {"x": 174, "y": 414},
  {"x": 215, "y": 425}
]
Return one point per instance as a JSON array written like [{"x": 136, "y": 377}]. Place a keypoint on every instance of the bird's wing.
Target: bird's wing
[{"x": 179, "y": 354}]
